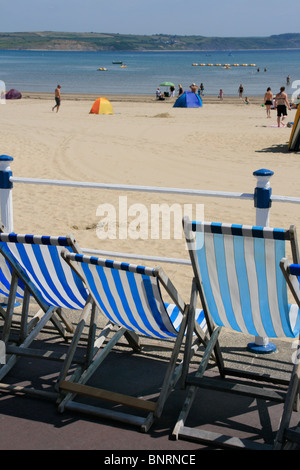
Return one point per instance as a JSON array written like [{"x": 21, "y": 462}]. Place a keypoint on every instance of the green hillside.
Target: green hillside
[{"x": 122, "y": 42}]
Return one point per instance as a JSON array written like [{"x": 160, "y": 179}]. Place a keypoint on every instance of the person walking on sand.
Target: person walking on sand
[
  {"x": 268, "y": 101},
  {"x": 57, "y": 98},
  {"x": 281, "y": 103}
]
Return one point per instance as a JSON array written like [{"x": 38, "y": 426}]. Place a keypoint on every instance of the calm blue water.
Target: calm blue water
[{"x": 77, "y": 71}]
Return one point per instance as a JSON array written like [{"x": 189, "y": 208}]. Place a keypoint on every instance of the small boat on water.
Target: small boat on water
[
  {"x": 117, "y": 62},
  {"x": 102, "y": 69},
  {"x": 123, "y": 66}
]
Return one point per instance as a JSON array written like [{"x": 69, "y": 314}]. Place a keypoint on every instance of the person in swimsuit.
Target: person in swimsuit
[
  {"x": 57, "y": 98},
  {"x": 281, "y": 103},
  {"x": 268, "y": 100},
  {"x": 194, "y": 87},
  {"x": 241, "y": 90}
]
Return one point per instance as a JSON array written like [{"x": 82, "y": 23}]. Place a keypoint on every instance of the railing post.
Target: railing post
[
  {"x": 6, "y": 192},
  {"x": 262, "y": 203}
]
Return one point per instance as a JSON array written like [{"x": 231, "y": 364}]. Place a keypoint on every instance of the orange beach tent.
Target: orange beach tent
[{"x": 102, "y": 106}]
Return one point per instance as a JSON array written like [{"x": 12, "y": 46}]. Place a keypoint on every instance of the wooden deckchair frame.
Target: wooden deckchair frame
[
  {"x": 77, "y": 383},
  {"x": 289, "y": 398}
]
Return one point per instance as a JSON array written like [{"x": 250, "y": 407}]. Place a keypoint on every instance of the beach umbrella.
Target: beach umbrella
[
  {"x": 167, "y": 84},
  {"x": 102, "y": 106}
]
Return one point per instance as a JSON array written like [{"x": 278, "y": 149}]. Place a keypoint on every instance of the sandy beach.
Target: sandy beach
[{"x": 145, "y": 142}]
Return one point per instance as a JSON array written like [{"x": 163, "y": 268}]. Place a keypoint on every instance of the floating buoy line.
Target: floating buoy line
[{"x": 224, "y": 65}]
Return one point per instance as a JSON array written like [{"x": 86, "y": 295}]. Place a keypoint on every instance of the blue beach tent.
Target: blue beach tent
[{"x": 188, "y": 100}]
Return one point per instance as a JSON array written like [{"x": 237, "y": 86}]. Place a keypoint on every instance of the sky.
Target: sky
[{"x": 223, "y": 18}]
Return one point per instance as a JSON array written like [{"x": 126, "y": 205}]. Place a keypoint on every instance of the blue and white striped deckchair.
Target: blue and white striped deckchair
[
  {"x": 242, "y": 281},
  {"x": 241, "y": 286},
  {"x": 130, "y": 297},
  {"x": 33, "y": 268},
  {"x": 40, "y": 258}
]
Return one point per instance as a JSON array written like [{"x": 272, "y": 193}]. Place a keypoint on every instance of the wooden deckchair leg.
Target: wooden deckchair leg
[
  {"x": 36, "y": 318},
  {"x": 13, "y": 359},
  {"x": 200, "y": 334},
  {"x": 297, "y": 397},
  {"x": 291, "y": 396},
  {"x": 192, "y": 389},
  {"x": 2, "y": 312},
  {"x": 59, "y": 325},
  {"x": 172, "y": 376},
  {"x": 74, "y": 343},
  {"x": 24, "y": 315},
  {"x": 92, "y": 334},
  {"x": 69, "y": 327},
  {"x": 89, "y": 307},
  {"x": 99, "y": 358},
  {"x": 133, "y": 340},
  {"x": 10, "y": 307},
  {"x": 189, "y": 334}
]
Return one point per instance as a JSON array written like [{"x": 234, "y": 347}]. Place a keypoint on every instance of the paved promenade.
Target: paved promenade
[{"x": 35, "y": 424}]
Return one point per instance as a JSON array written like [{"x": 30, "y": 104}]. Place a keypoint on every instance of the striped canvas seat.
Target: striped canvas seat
[
  {"x": 242, "y": 281},
  {"x": 176, "y": 317},
  {"x": 130, "y": 297},
  {"x": 241, "y": 286},
  {"x": 40, "y": 258},
  {"x": 5, "y": 280}
]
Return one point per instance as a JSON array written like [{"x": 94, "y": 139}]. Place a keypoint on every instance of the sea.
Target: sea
[{"x": 141, "y": 73}]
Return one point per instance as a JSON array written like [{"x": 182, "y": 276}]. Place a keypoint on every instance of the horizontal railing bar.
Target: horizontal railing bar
[
  {"x": 295, "y": 200},
  {"x": 135, "y": 256},
  {"x": 123, "y": 187},
  {"x": 153, "y": 189}
]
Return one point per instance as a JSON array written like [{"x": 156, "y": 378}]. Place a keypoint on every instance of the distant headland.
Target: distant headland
[{"x": 60, "y": 41}]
